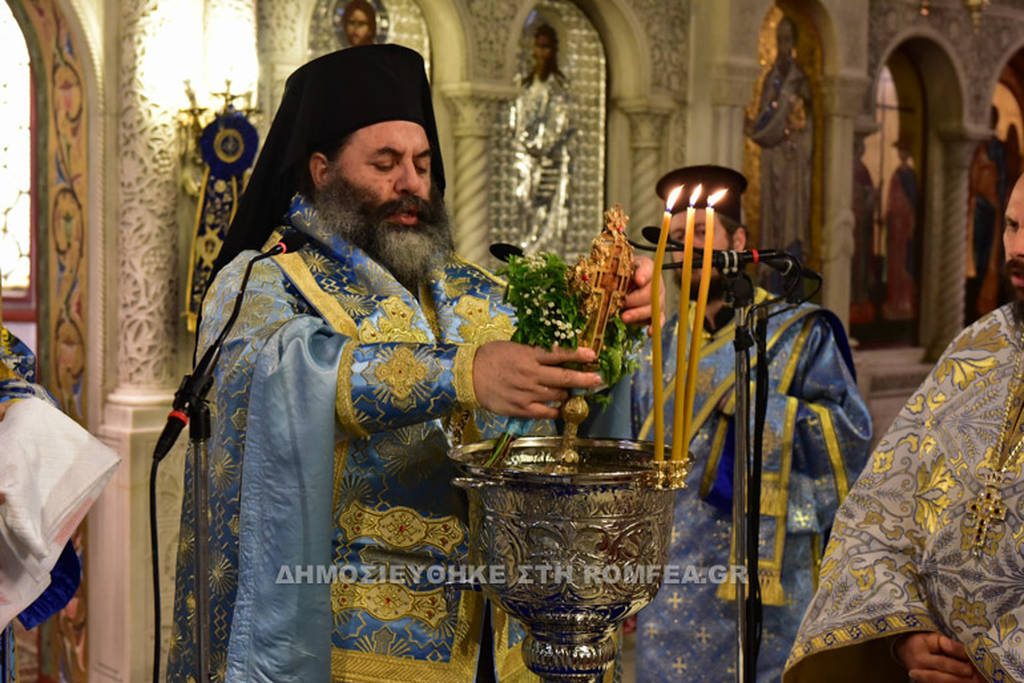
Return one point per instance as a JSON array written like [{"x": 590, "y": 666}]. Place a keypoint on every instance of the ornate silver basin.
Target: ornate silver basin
[{"x": 582, "y": 546}]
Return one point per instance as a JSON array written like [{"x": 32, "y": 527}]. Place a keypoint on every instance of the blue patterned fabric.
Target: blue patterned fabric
[
  {"x": 331, "y": 409},
  {"x": 815, "y": 444}
]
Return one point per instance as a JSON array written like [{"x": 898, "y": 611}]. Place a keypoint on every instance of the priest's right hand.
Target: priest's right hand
[
  {"x": 517, "y": 380},
  {"x": 933, "y": 658}
]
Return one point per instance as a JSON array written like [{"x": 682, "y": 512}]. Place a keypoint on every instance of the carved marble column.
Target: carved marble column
[
  {"x": 943, "y": 286},
  {"x": 469, "y": 174},
  {"x": 151, "y": 340},
  {"x": 842, "y": 104},
  {"x": 647, "y": 135}
]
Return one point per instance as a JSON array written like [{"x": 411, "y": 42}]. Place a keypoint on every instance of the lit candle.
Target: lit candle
[
  {"x": 659, "y": 385},
  {"x": 678, "y": 429},
  {"x": 698, "y": 320}
]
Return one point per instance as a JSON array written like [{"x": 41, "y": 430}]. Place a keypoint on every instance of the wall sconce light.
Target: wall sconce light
[{"x": 974, "y": 8}]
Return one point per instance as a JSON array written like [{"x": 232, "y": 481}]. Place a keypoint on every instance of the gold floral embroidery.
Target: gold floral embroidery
[
  {"x": 963, "y": 368},
  {"x": 401, "y": 373},
  {"x": 882, "y": 461},
  {"x": 971, "y": 613},
  {"x": 389, "y": 601},
  {"x": 396, "y": 324},
  {"x": 480, "y": 327},
  {"x": 931, "y": 499},
  {"x": 401, "y": 527}
]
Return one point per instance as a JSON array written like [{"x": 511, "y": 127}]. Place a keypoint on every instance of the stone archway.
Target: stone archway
[{"x": 946, "y": 148}]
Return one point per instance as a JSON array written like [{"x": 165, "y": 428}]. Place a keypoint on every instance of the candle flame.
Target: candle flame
[
  {"x": 672, "y": 197},
  {"x": 695, "y": 195},
  {"x": 713, "y": 199}
]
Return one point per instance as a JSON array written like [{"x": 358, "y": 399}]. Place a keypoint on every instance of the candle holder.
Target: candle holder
[{"x": 582, "y": 545}]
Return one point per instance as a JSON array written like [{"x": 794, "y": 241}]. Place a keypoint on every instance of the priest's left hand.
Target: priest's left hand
[{"x": 637, "y": 306}]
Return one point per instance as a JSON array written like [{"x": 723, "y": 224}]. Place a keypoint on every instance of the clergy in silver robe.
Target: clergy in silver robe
[{"x": 932, "y": 534}]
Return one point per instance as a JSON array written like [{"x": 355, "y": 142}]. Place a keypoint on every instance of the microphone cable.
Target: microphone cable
[{"x": 193, "y": 388}]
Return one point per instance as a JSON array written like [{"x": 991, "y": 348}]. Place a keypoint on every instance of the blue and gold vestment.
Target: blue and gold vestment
[
  {"x": 328, "y": 453},
  {"x": 908, "y": 551},
  {"x": 816, "y": 436}
]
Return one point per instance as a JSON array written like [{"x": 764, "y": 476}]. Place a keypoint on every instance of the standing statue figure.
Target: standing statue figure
[
  {"x": 862, "y": 270},
  {"x": 784, "y": 129},
  {"x": 900, "y": 227},
  {"x": 541, "y": 133},
  {"x": 987, "y": 185}
]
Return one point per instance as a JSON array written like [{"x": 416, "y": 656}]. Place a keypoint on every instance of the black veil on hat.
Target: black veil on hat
[
  {"x": 324, "y": 101},
  {"x": 713, "y": 178}
]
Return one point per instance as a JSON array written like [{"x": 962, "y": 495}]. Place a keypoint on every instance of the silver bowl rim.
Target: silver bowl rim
[{"x": 635, "y": 473}]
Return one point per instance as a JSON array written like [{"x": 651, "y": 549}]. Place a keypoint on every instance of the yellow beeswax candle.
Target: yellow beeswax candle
[
  {"x": 678, "y": 429},
  {"x": 698, "y": 321},
  {"x": 659, "y": 386}
]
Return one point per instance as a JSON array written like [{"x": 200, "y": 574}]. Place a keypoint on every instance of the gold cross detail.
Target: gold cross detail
[
  {"x": 675, "y": 600},
  {"x": 986, "y": 512},
  {"x": 679, "y": 665}
]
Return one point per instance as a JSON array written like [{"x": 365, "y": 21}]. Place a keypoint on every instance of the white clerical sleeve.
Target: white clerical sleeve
[{"x": 51, "y": 472}]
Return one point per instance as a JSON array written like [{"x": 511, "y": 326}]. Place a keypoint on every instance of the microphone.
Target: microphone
[
  {"x": 731, "y": 261},
  {"x": 194, "y": 386}
]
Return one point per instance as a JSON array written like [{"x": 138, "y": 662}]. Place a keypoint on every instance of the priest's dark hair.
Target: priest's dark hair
[{"x": 324, "y": 102}]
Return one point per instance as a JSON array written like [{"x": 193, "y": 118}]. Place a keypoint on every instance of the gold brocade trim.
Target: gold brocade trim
[
  {"x": 343, "y": 406},
  {"x": 883, "y": 626},
  {"x": 483, "y": 271},
  {"x": 509, "y": 661},
  {"x": 770, "y": 571},
  {"x": 730, "y": 379},
  {"x": 835, "y": 456},
  {"x": 298, "y": 272},
  {"x": 480, "y": 326},
  {"x": 711, "y": 464},
  {"x": 773, "y": 496},
  {"x": 389, "y": 601},
  {"x": 340, "y": 460},
  {"x": 6, "y": 372},
  {"x": 365, "y": 667},
  {"x": 401, "y": 373},
  {"x": 396, "y": 324},
  {"x": 815, "y": 560},
  {"x": 465, "y": 394},
  {"x": 401, "y": 527}
]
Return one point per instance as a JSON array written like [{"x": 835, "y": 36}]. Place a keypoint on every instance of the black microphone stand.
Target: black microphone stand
[
  {"x": 190, "y": 407},
  {"x": 740, "y": 295}
]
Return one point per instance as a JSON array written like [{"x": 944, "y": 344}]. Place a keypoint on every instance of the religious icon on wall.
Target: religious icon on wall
[
  {"x": 541, "y": 133},
  {"x": 863, "y": 276},
  {"x": 988, "y": 187},
  {"x": 358, "y": 22},
  {"x": 901, "y": 230},
  {"x": 783, "y": 128}
]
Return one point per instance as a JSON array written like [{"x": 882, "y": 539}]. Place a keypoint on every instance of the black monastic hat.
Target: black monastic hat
[
  {"x": 324, "y": 101},
  {"x": 713, "y": 178}
]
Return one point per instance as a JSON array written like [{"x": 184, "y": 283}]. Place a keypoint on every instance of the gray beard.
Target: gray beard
[{"x": 410, "y": 254}]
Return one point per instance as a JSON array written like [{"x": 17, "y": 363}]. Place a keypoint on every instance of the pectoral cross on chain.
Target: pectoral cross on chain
[{"x": 986, "y": 512}]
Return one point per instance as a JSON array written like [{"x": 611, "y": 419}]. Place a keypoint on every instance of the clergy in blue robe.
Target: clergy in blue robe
[
  {"x": 17, "y": 381},
  {"x": 354, "y": 363},
  {"x": 815, "y": 442}
]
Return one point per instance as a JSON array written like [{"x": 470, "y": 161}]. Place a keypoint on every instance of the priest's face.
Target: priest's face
[
  {"x": 377, "y": 195},
  {"x": 1013, "y": 239},
  {"x": 721, "y": 240}
]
